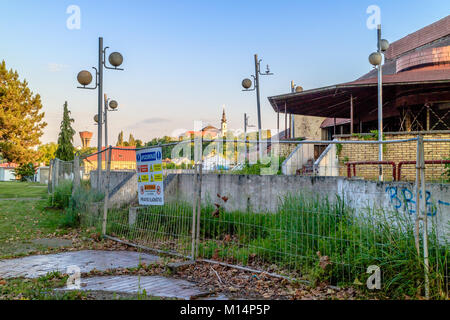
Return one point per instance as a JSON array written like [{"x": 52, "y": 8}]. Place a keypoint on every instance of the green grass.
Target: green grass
[
  {"x": 38, "y": 289},
  {"x": 25, "y": 220},
  {"x": 22, "y": 190}
]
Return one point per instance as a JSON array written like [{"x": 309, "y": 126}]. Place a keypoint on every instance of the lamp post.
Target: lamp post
[
  {"x": 376, "y": 59},
  {"x": 85, "y": 78},
  {"x": 247, "y": 84},
  {"x": 110, "y": 105}
]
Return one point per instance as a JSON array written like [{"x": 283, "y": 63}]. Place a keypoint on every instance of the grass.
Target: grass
[
  {"x": 38, "y": 289},
  {"x": 22, "y": 190},
  {"x": 308, "y": 236},
  {"x": 25, "y": 220}
]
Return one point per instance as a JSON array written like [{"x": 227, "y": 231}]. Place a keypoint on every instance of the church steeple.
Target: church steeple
[{"x": 223, "y": 128}]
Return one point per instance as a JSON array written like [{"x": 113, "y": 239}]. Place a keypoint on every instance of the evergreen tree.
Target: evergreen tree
[
  {"x": 21, "y": 123},
  {"x": 120, "y": 140},
  {"x": 66, "y": 149},
  {"x": 131, "y": 141}
]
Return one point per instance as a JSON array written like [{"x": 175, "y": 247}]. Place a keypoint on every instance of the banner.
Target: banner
[{"x": 150, "y": 177}]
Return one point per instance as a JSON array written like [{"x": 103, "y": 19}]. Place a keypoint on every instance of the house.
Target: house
[
  {"x": 7, "y": 171},
  {"x": 42, "y": 174},
  {"x": 121, "y": 159}
]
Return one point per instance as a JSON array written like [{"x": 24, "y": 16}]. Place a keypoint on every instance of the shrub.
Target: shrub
[
  {"x": 60, "y": 198},
  {"x": 25, "y": 172}
]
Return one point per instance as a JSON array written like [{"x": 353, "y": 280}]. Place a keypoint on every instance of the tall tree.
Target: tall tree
[
  {"x": 120, "y": 140},
  {"x": 131, "y": 141},
  {"x": 66, "y": 149},
  {"x": 21, "y": 123}
]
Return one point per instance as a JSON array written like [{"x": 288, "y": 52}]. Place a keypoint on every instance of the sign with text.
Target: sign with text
[{"x": 150, "y": 177}]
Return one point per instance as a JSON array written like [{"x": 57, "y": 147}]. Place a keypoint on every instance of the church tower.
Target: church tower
[{"x": 223, "y": 128}]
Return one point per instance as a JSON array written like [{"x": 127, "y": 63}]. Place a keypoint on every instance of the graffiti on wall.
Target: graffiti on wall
[{"x": 403, "y": 198}]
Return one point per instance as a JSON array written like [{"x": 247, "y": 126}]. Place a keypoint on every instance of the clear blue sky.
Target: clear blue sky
[{"x": 185, "y": 59}]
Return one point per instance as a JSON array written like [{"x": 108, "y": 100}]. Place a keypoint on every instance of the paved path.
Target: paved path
[
  {"x": 36, "y": 266},
  {"x": 153, "y": 285}
]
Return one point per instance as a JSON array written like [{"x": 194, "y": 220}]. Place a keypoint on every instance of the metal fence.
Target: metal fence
[{"x": 310, "y": 234}]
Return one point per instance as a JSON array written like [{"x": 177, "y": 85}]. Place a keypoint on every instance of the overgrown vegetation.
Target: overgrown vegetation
[
  {"x": 446, "y": 173},
  {"x": 309, "y": 237},
  {"x": 257, "y": 168},
  {"x": 41, "y": 288},
  {"x": 74, "y": 204}
]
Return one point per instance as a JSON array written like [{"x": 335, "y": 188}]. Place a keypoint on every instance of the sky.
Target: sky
[{"x": 185, "y": 60}]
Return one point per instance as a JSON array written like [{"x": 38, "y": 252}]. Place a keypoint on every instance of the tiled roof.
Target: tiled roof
[
  {"x": 437, "y": 73},
  {"x": 419, "y": 38},
  {"x": 117, "y": 155},
  {"x": 329, "y": 122},
  {"x": 8, "y": 165}
]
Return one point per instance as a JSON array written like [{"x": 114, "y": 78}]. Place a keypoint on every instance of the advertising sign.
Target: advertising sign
[{"x": 150, "y": 177}]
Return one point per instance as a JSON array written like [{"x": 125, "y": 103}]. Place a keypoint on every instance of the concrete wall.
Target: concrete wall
[
  {"x": 265, "y": 193},
  {"x": 306, "y": 127}
]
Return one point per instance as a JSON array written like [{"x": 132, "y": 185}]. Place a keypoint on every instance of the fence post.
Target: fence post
[
  {"x": 56, "y": 174},
  {"x": 194, "y": 210},
  {"x": 132, "y": 214},
  {"x": 106, "y": 202},
  {"x": 424, "y": 217},
  {"x": 76, "y": 173},
  {"x": 50, "y": 177},
  {"x": 417, "y": 222},
  {"x": 421, "y": 210},
  {"x": 199, "y": 207}
]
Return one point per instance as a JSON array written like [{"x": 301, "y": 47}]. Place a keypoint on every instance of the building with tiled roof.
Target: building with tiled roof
[{"x": 121, "y": 159}]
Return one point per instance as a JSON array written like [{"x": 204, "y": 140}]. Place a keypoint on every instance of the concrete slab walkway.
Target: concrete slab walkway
[
  {"x": 36, "y": 266},
  {"x": 153, "y": 285}
]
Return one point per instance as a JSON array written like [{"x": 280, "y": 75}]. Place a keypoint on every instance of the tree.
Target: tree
[
  {"x": 21, "y": 123},
  {"x": 25, "y": 171},
  {"x": 120, "y": 140},
  {"x": 47, "y": 152},
  {"x": 66, "y": 149},
  {"x": 131, "y": 141}
]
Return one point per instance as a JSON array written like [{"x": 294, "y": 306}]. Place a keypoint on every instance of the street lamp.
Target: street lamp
[
  {"x": 85, "y": 78},
  {"x": 247, "y": 84},
  {"x": 110, "y": 105},
  {"x": 376, "y": 59}
]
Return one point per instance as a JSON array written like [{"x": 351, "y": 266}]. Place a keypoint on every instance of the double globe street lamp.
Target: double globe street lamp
[
  {"x": 247, "y": 85},
  {"x": 110, "y": 105},
  {"x": 85, "y": 78}
]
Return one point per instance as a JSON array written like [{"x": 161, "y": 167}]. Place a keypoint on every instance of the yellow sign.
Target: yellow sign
[
  {"x": 158, "y": 177},
  {"x": 144, "y": 178},
  {"x": 157, "y": 167}
]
